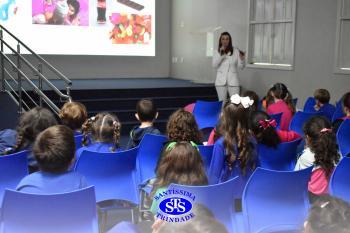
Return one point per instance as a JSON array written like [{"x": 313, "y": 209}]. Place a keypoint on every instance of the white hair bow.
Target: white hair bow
[{"x": 245, "y": 101}]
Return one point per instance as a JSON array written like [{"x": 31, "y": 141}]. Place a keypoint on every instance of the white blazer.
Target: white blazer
[{"x": 227, "y": 68}]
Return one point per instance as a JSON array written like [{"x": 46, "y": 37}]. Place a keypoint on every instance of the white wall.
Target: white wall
[
  {"x": 97, "y": 67},
  {"x": 314, "y": 45}
]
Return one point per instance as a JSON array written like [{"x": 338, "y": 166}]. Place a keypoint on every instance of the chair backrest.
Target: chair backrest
[
  {"x": 277, "y": 117},
  {"x": 13, "y": 169},
  {"x": 281, "y": 158},
  {"x": 276, "y": 198},
  {"x": 343, "y": 138},
  {"x": 112, "y": 174},
  {"x": 148, "y": 155},
  {"x": 218, "y": 198},
  {"x": 295, "y": 102},
  {"x": 338, "y": 111},
  {"x": 299, "y": 119},
  {"x": 339, "y": 184},
  {"x": 309, "y": 104},
  {"x": 54, "y": 213},
  {"x": 78, "y": 141},
  {"x": 206, "y": 153},
  {"x": 207, "y": 113}
]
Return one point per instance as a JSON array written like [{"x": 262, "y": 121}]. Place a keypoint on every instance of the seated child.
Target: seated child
[
  {"x": 265, "y": 132},
  {"x": 321, "y": 152},
  {"x": 104, "y": 129},
  {"x": 282, "y": 102},
  {"x": 346, "y": 109},
  {"x": 30, "y": 124},
  {"x": 322, "y": 98},
  {"x": 54, "y": 149},
  {"x": 73, "y": 115},
  {"x": 328, "y": 214},
  {"x": 146, "y": 114}
]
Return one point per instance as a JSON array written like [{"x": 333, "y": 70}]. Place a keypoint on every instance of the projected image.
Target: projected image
[
  {"x": 130, "y": 28},
  {"x": 8, "y": 8},
  {"x": 60, "y": 12}
]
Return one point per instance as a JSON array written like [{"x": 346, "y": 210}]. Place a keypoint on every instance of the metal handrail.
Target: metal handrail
[{"x": 22, "y": 76}]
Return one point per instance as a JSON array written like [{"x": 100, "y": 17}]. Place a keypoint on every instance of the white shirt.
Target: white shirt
[
  {"x": 307, "y": 159},
  {"x": 227, "y": 68}
]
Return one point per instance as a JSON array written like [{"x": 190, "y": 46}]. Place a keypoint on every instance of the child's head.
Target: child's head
[
  {"x": 253, "y": 96},
  {"x": 328, "y": 214},
  {"x": 263, "y": 127},
  {"x": 279, "y": 91},
  {"x": 322, "y": 97},
  {"x": 182, "y": 126},
  {"x": 104, "y": 127},
  {"x": 234, "y": 128},
  {"x": 73, "y": 8},
  {"x": 321, "y": 140},
  {"x": 30, "y": 124},
  {"x": 73, "y": 115},
  {"x": 146, "y": 111},
  {"x": 346, "y": 103},
  {"x": 54, "y": 149},
  {"x": 181, "y": 164}
]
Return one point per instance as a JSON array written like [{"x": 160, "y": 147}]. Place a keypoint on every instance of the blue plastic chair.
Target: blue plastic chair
[
  {"x": 276, "y": 201},
  {"x": 112, "y": 174},
  {"x": 13, "y": 169},
  {"x": 219, "y": 199},
  {"x": 277, "y": 117},
  {"x": 206, "y": 153},
  {"x": 56, "y": 213},
  {"x": 299, "y": 119},
  {"x": 310, "y": 104},
  {"x": 338, "y": 111},
  {"x": 339, "y": 184},
  {"x": 281, "y": 158},
  {"x": 343, "y": 138},
  {"x": 207, "y": 113},
  {"x": 78, "y": 141},
  {"x": 148, "y": 155}
]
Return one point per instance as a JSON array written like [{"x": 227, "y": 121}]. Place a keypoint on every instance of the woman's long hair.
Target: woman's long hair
[{"x": 230, "y": 46}]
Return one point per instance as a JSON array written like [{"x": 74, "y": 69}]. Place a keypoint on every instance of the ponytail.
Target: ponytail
[
  {"x": 86, "y": 128},
  {"x": 116, "y": 134}
]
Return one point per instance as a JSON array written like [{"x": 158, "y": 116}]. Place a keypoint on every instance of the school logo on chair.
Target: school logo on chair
[{"x": 175, "y": 205}]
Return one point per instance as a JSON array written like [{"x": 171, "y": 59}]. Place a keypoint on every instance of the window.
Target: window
[
  {"x": 271, "y": 34},
  {"x": 342, "y": 57}
]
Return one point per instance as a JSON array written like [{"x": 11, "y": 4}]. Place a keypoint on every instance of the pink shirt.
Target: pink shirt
[
  {"x": 287, "y": 115},
  {"x": 287, "y": 136},
  {"x": 318, "y": 183}
]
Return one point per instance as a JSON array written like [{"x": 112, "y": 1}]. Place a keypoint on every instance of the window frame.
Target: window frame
[
  {"x": 340, "y": 18},
  {"x": 250, "y": 39}
]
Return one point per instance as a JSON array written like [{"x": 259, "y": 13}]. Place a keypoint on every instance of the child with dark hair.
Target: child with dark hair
[
  {"x": 104, "y": 130},
  {"x": 264, "y": 129},
  {"x": 54, "y": 150},
  {"x": 282, "y": 102},
  {"x": 180, "y": 164},
  {"x": 346, "y": 109},
  {"x": 235, "y": 152},
  {"x": 322, "y": 98},
  {"x": 146, "y": 114},
  {"x": 321, "y": 152},
  {"x": 73, "y": 115},
  {"x": 30, "y": 124},
  {"x": 73, "y": 11},
  {"x": 328, "y": 214},
  {"x": 253, "y": 96}
]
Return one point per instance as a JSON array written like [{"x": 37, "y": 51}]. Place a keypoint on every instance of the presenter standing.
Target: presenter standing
[{"x": 226, "y": 61}]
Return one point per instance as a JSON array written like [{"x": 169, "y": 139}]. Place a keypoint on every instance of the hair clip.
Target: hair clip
[
  {"x": 245, "y": 101},
  {"x": 326, "y": 130},
  {"x": 268, "y": 123},
  {"x": 324, "y": 204},
  {"x": 172, "y": 145},
  {"x": 93, "y": 118}
]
